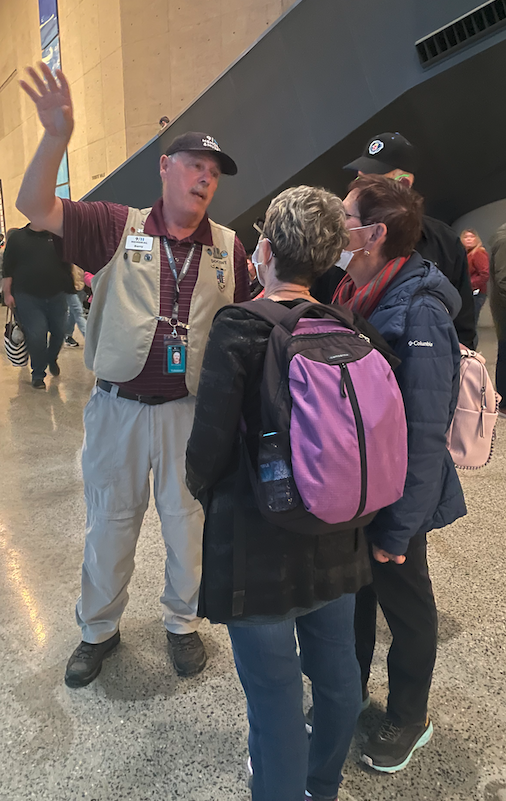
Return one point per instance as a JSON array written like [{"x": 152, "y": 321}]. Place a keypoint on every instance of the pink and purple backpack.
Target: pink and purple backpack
[{"x": 334, "y": 444}]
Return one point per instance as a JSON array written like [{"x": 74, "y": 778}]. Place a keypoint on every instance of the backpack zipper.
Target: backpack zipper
[{"x": 347, "y": 383}]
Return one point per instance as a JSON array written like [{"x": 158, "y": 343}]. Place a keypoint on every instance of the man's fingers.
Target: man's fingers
[
  {"x": 39, "y": 83},
  {"x": 63, "y": 82},
  {"x": 48, "y": 75},
  {"x": 29, "y": 91}
]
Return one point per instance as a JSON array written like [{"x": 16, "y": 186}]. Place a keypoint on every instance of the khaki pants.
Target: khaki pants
[{"x": 123, "y": 441}]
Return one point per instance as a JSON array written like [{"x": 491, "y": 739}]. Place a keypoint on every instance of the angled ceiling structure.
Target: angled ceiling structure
[{"x": 328, "y": 75}]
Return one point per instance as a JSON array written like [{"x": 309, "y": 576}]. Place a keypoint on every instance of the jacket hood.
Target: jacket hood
[{"x": 417, "y": 277}]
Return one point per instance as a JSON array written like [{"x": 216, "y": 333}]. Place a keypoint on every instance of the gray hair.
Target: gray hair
[{"x": 307, "y": 229}]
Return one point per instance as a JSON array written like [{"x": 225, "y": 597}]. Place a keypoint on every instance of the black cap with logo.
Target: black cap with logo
[
  {"x": 384, "y": 153},
  {"x": 202, "y": 143}
]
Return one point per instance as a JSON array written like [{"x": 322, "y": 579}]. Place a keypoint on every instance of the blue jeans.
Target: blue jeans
[
  {"x": 285, "y": 761},
  {"x": 39, "y": 317},
  {"x": 75, "y": 315}
]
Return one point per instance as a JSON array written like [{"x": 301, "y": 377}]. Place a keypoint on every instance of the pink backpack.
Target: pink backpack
[{"x": 470, "y": 438}]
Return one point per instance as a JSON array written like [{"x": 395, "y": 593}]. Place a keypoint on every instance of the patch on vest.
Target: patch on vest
[
  {"x": 216, "y": 253},
  {"x": 219, "y": 262},
  {"x": 220, "y": 276}
]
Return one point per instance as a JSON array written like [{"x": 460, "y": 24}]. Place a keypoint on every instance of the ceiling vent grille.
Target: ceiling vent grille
[{"x": 484, "y": 20}]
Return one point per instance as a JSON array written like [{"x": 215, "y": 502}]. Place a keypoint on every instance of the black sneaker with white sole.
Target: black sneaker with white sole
[
  {"x": 188, "y": 653},
  {"x": 391, "y": 748},
  {"x": 86, "y": 662},
  {"x": 70, "y": 342}
]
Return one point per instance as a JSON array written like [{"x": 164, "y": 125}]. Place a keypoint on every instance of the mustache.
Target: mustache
[{"x": 198, "y": 190}]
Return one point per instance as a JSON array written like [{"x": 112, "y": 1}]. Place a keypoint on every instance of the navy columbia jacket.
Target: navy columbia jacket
[{"x": 415, "y": 317}]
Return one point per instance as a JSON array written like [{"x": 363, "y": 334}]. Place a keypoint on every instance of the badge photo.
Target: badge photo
[{"x": 175, "y": 349}]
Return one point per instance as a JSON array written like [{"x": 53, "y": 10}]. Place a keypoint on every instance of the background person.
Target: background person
[
  {"x": 293, "y": 582},
  {"x": 36, "y": 280},
  {"x": 498, "y": 308},
  {"x": 406, "y": 299},
  {"x": 391, "y": 155},
  {"x": 174, "y": 264},
  {"x": 75, "y": 309},
  {"x": 478, "y": 261}
]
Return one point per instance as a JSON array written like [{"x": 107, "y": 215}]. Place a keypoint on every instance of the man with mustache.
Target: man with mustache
[{"x": 161, "y": 275}]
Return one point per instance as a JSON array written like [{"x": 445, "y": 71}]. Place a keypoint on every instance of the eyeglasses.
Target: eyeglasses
[{"x": 351, "y": 216}]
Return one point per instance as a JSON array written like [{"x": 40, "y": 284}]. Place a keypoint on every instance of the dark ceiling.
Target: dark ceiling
[
  {"x": 330, "y": 74},
  {"x": 458, "y": 121}
]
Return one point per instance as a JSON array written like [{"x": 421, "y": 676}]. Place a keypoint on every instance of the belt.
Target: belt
[{"x": 151, "y": 400}]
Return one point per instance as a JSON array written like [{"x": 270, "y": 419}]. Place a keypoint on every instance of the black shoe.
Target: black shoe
[
  {"x": 308, "y": 717},
  {"x": 38, "y": 383},
  {"x": 54, "y": 368},
  {"x": 86, "y": 662},
  {"x": 391, "y": 748},
  {"x": 187, "y": 652},
  {"x": 71, "y": 343}
]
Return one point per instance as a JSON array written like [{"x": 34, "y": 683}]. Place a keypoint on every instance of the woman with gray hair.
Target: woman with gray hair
[{"x": 294, "y": 584}]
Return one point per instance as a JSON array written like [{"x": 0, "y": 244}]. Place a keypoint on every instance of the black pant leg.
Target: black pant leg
[
  {"x": 406, "y": 598},
  {"x": 500, "y": 372},
  {"x": 366, "y": 608}
]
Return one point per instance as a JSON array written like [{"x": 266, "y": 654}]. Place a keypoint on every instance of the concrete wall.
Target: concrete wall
[
  {"x": 129, "y": 62},
  {"x": 19, "y": 127},
  {"x": 92, "y": 59}
]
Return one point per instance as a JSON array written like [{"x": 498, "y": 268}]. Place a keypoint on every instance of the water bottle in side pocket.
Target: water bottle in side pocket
[{"x": 275, "y": 473}]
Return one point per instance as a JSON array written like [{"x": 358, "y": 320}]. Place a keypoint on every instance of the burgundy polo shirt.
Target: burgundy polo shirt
[{"x": 91, "y": 235}]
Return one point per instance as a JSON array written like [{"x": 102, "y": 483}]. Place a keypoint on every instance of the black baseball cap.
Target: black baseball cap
[
  {"x": 203, "y": 143},
  {"x": 384, "y": 153}
]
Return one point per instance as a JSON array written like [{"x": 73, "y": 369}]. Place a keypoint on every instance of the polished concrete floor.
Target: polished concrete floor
[{"x": 138, "y": 732}]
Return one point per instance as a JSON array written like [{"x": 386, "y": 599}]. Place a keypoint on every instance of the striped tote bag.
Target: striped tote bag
[{"x": 14, "y": 341}]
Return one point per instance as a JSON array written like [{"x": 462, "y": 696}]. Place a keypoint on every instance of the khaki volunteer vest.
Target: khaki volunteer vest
[{"x": 126, "y": 304}]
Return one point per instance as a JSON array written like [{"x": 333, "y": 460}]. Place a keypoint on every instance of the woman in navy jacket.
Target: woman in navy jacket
[{"x": 412, "y": 304}]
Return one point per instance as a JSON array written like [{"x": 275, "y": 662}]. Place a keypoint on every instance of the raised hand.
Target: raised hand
[{"x": 53, "y": 101}]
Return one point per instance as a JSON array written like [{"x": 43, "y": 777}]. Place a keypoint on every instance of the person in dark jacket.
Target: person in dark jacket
[
  {"x": 36, "y": 281},
  {"x": 293, "y": 582},
  {"x": 411, "y": 304},
  {"x": 391, "y": 155},
  {"x": 498, "y": 309}
]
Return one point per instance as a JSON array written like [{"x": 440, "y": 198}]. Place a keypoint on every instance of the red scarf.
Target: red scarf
[{"x": 364, "y": 299}]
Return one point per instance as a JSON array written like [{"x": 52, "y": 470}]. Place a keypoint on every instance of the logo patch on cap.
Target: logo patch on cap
[
  {"x": 375, "y": 147},
  {"x": 208, "y": 141}
]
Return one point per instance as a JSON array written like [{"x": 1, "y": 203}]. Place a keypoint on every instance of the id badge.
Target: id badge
[{"x": 175, "y": 355}]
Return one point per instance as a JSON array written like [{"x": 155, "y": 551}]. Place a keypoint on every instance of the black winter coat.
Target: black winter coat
[{"x": 285, "y": 573}]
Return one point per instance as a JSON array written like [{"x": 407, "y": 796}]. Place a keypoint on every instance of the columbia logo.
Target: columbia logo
[
  {"x": 418, "y": 344},
  {"x": 338, "y": 356}
]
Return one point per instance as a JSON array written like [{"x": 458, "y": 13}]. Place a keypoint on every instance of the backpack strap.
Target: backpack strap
[{"x": 277, "y": 314}]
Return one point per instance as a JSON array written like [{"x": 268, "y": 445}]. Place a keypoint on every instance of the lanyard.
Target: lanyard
[{"x": 174, "y": 320}]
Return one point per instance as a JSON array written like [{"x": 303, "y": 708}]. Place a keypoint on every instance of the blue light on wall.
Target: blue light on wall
[{"x": 50, "y": 44}]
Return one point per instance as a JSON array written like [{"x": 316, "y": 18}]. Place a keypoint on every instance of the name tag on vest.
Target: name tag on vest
[{"x": 139, "y": 243}]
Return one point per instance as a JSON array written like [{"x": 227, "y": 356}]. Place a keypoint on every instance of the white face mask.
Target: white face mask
[
  {"x": 345, "y": 258},
  {"x": 347, "y": 255},
  {"x": 258, "y": 264}
]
